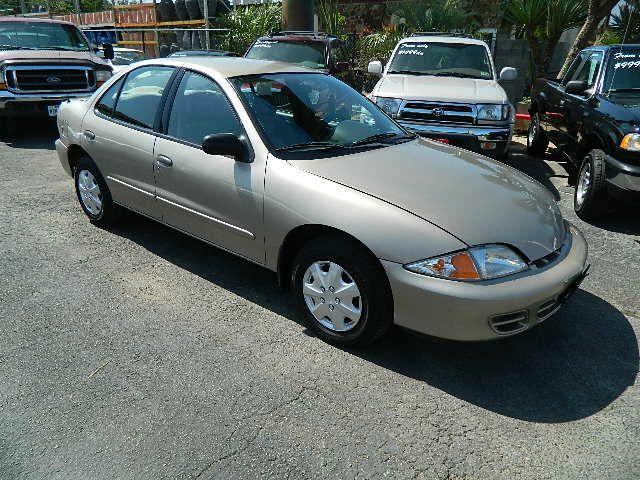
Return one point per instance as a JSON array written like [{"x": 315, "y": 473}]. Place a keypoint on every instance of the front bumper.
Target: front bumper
[
  {"x": 476, "y": 311},
  {"x": 30, "y": 104},
  {"x": 623, "y": 179},
  {"x": 491, "y": 141}
]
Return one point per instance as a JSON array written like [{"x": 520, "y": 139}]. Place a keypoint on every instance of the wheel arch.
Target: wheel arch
[
  {"x": 74, "y": 153},
  {"x": 295, "y": 240}
]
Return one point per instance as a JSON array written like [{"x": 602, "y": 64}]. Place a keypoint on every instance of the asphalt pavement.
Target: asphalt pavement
[{"x": 140, "y": 353}]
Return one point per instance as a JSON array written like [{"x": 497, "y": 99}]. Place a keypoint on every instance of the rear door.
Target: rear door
[
  {"x": 118, "y": 133},
  {"x": 212, "y": 197}
]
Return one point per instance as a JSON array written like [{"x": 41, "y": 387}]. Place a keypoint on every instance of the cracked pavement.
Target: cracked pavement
[{"x": 140, "y": 353}]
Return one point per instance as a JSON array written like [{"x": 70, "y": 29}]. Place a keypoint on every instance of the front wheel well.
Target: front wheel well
[
  {"x": 297, "y": 238},
  {"x": 587, "y": 144},
  {"x": 74, "y": 154}
]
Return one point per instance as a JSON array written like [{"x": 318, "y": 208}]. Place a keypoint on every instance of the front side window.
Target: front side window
[
  {"x": 312, "y": 111},
  {"x": 107, "y": 103},
  {"x": 305, "y": 54},
  {"x": 442, "y": 60},
  {"x": 41, "y": 36},
  {"x": 141, "y": 93},
  {"x": 623, "y": 71},
  {"x": 200, "y": 108},
  {"x": 573, "y": 68},
  {"x": 588, "y": 72}
]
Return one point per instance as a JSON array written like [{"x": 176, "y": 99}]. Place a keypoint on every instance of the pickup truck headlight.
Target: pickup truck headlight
[
  {"x": 390, "y": 105},
  {"x": 477, "y": 263},
  {"x": 631, "y": 142},
  {"x": 103, "y": 75},
  {"x": 495, "y": 113}
]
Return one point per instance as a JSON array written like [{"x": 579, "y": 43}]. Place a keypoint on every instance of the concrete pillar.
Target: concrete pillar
[{"x": 298, "y": 14}]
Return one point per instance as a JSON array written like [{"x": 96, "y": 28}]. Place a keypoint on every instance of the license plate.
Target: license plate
[{"x": 52, "y": 110}]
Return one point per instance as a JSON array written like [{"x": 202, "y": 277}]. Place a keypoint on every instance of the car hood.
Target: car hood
[
  {"x": 472, "y": 197},
  {"x": 50, "y": 55},
  {"x": 624, "y": 107},
  {"x": 440, "y": 89}
]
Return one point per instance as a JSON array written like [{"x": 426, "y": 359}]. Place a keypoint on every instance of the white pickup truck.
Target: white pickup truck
[{"x": 446, "y": 88}]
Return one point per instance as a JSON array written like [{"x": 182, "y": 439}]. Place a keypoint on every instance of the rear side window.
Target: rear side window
[
  {"x": 200, "y": 109},
  {"x": 140, "y": 96},
  {"x": 108, "y": 101}
]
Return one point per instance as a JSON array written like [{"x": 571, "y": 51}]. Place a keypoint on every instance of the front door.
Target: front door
[
  {"x": 118, "y": 135},
  {"x": 212, "y": 197}
]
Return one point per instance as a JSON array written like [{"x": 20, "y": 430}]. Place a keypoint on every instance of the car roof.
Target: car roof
[
  {"x": 443, "y": 39},
  {"x": 318, "y": 37},
  {"x": 33, "y": 20},
  {"x": 229, "y": 66}
]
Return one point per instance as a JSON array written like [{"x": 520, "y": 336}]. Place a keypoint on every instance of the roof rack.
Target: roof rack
[
  {"x": 306, "y": 33},
  {"x": 439, "y": 34}
]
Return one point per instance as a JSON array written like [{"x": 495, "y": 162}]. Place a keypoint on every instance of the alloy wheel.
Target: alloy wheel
[
  {"x": 332, "y": 296},
  {"x": 533, "y": 129},
  {"x": 584, "y": 184}
]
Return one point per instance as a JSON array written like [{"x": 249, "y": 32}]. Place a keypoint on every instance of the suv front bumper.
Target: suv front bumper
[
  {"x": 488, "y": 140},
  {"x": 28, "y": 104}
]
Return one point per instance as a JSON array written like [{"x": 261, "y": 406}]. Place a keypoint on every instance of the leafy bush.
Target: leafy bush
[{"x": 248, "y": 23}]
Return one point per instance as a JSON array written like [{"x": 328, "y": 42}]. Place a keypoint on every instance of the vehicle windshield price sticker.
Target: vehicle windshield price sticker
[
  {"x": 627, "y": 60},
  {"x": 413, "y": 49},
  {"x": 266, "y": 43}
]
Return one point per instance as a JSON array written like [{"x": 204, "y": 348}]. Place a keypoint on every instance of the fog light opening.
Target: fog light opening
[{"x": 488, "y": 145}]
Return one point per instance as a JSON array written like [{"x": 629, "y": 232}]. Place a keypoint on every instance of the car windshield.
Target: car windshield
[
  {"x": 442, "y": 59},
  {"x": 312, "y": 111},
  {"x": 306, "y": 54},
  {"x": 127, "y": 57},
  {"x": 623, "y": 71},
  {"x": 41, "y": 36}
]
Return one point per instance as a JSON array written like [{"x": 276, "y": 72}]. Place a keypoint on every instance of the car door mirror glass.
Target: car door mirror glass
[
  {"x": 576, "y": 87},
  {"x": 227, "y": 144},
  {"x": 375, "y": 67},
  {"x": 508, "y": 74}
]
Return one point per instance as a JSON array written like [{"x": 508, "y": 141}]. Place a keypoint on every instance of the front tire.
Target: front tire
[
  {"x": 93, "y": 193},
  {"x": 342, "y": 291},
  {"x": 590, "y": 196},
  {"x": 537, "y": 141}
]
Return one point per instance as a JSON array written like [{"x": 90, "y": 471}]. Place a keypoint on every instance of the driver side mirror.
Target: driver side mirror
[
  {"x": 108, "y": 52},
  {"x": 576, "y": 87},
  {"x": 375, "y": 68},
  {"x": 227, "y": 144},
  {"x": 508, "y": 74}
]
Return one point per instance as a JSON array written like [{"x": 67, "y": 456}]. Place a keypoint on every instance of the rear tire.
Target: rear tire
[
  {"x": 342, "y": 291},
  {"x": 590, "y": 196},
  {"x": 537, "y": 141},
  {"x": 93, "y": 193}
]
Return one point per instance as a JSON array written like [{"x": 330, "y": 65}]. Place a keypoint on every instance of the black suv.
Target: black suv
[{"x": 593, "y": 116}]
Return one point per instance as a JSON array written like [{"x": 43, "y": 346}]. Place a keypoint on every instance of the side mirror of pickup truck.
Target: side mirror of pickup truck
[
  {"x": 508, "y": 74},
  {"x": 576, "y": 87},
  {"x": 107, "y": 48},
  {"x": 341, "y": 67},
  {"x": 375, "y": 67}
]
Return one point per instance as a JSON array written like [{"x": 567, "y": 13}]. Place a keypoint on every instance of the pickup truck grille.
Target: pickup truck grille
[
  {"x": 438, "y": 112},
  {"x": 32, "y": 79}
]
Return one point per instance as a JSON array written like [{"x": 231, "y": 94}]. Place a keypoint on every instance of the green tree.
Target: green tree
[
  {"x": 245, "y": 24},
  {"x": 625, "y": 23},
  {"x": 541, "y": 23}
]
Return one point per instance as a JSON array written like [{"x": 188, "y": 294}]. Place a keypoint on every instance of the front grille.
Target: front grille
[
  {"x": 438, "y": 112},
  {"x": 509, "y": 323},
  {"x": 49, "y": 79}
]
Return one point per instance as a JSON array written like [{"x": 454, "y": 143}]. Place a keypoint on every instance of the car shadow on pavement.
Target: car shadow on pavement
[
  {"x": 30, "y": 134},
  {"x": 570, "y": 367}
]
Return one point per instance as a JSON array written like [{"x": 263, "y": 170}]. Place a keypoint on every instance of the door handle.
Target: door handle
[
  {"x": 164, "y": 161},
  {"x": 90, "y": 135}
]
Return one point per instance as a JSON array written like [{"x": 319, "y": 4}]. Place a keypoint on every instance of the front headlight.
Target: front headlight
[
  {"x": 495, "y": 113},
  {"x": 390, "y": 105},
  {"x": 478, "y": 263},
  {"x": 631, "y": 142},
  {"x": 103, "y": 75}
]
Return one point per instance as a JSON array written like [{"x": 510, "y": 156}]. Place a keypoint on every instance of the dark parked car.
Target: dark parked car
[{"x": 593, "y": 116}]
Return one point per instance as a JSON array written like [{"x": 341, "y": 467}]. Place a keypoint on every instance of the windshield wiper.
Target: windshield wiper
[
  {"x": 64, "y": 49},
  {"x": 308, "y": 146},
  {"x": 378, "y": 138},
  {"x": 458, "y": 75},
  {"x": 407, "y": 72},
  {"x": 630, "y": 89}
]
